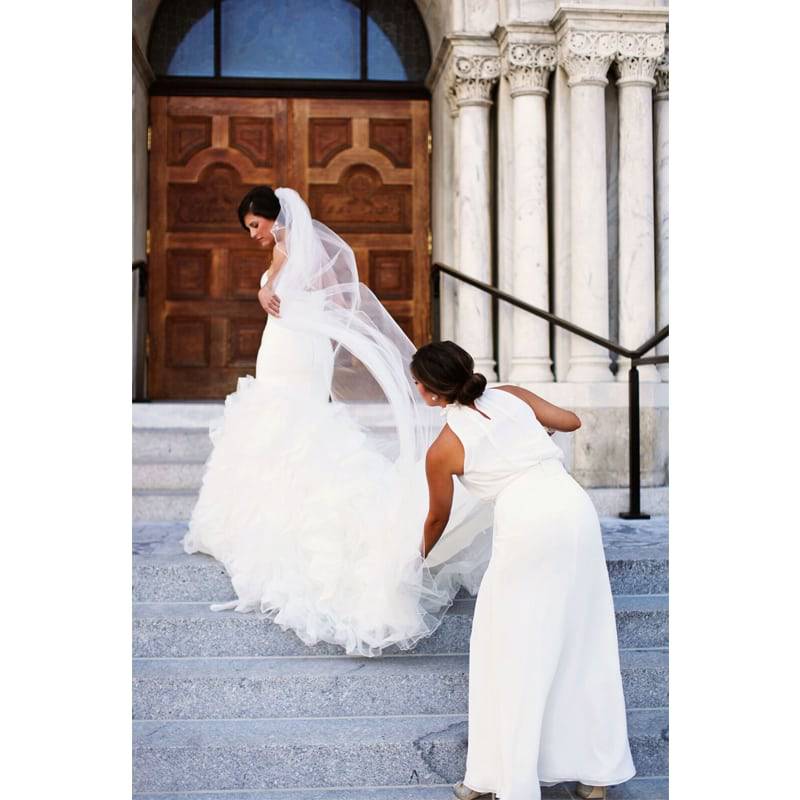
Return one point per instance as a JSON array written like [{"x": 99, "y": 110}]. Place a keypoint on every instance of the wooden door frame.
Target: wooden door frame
[{"x": 289, "y": 87}]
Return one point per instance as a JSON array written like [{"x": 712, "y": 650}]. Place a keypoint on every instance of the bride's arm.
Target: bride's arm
[
  {"x": 270, "y": 302},
  {"x": 440, "y": 466},
  {"x": 549, "y": 415},
  {"x": 278, "y": 260}
]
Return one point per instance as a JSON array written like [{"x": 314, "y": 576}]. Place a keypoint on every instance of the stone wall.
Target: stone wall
[{"x": 597, "y": 453}]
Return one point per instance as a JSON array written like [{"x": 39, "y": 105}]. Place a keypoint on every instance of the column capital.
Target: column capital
[
  {"x": 527, "y": 66},
  {"x": 636, "y": 58},
  {"x": 662, "y": 75},
  {"x": 471, "y": 79},
  {"x": 587, "y": 55}
]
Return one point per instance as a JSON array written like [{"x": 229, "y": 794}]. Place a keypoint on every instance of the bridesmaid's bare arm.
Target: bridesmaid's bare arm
[
  {"x": 549, "y": 415},
  {"x": 445, "y": 458}
]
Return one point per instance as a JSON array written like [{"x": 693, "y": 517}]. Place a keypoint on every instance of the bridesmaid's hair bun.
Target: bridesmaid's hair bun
[
  {"x": 472, "y": 389},
  {"x": 445, "y": 369},
  {"x": 262, "y": 202}
]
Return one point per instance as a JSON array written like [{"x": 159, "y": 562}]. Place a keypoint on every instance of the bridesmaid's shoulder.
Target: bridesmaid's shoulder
[
  {"x": 446, "y": 439},
  {"x": 446, "y": 448}
]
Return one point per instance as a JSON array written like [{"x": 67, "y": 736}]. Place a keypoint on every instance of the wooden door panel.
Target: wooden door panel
[
  {"x": 205, "y": 320},
  {"x": 391, "y": 274},
  {"x": 362, "y": 166}
]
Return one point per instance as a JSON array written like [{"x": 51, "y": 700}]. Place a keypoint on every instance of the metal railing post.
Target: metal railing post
[{"x": 634, "y": 443}]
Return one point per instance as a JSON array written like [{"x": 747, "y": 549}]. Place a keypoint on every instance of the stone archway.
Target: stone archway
[{"x": 144, "y": 12}]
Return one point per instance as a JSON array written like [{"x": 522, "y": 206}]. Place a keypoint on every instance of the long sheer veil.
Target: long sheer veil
[
  {"x": 321, "y": 294},
  {"x": 372, "y": 354}
]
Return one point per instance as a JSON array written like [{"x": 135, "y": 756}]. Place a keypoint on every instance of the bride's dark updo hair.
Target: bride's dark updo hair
[
  {"x": 446, "y": 368},
  {"x": 262, "y": 201}
]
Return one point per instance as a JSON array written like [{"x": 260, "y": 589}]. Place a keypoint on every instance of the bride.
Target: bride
[{"x": 314, "y": 496}]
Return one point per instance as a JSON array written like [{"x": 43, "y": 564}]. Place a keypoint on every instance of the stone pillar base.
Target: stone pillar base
[
  {"x": 530, "y": 370},
  {"x": 589, "y": 369}
]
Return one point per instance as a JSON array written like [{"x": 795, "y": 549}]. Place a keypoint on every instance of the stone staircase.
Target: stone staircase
[{"x": 229, "y": 707}]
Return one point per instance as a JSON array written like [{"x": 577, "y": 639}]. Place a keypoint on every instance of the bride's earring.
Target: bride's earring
[{"x": 434, "y": 397}]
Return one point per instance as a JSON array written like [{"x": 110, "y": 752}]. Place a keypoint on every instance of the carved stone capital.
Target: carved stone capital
[
  {"x": 636, "y": 58},
  {"x": 587, "y": 55},
  {"x": 662, "y": 77},
  {"x": 527, "y": 67},
  {"x": 471, "y": 80}
]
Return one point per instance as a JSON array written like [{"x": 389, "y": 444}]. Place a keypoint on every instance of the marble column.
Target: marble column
[
  {"x": 527, "y": 67},
  {"x": 636, "y": 64},
  {"x": 471, "y": 83},
  {"x": 661, "y": 101},
  {"x": 443, "y": 207},
  {"x": 586, "y": 57}
]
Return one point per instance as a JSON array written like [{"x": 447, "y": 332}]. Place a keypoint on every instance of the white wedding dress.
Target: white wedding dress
[
  {"x": 545, "y": 690},
  {"x": 316, "y": 506}
]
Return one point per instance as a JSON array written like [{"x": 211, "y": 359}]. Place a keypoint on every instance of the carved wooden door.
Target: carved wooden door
[{"x": 361, "y": 165}]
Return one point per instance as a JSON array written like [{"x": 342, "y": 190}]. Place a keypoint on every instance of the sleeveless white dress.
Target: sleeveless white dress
[
  {"x": 310, "y": 520},
  {"x": 545, "y": 690}
]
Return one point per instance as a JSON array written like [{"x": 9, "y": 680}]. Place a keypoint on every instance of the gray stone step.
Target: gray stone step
[
  {"x": 177, "y": 630},
  {"x": 168, "y": 475},
  {"x": 204, "y": 755},
  {"x": 636, "y": 554},
  {"x": 170, "y": 444},
  {"x": 238, "y": 688},
  {"x": 636, "y": 789},
  {"x": 199, "y": 578},
  {"x": 176, "y": 501},
  {"x": 445, "y": 792},
  {"x": 163, "y": 505}
]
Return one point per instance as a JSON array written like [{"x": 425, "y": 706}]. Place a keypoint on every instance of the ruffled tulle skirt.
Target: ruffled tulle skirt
[{"x": 317, "y": 528}]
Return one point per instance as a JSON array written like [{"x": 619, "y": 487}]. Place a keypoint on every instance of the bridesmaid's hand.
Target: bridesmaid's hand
[{"x": 270, "y": 302}]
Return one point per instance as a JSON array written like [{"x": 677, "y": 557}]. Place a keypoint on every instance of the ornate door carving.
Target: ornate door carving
[{"x": 361, "y": 165}]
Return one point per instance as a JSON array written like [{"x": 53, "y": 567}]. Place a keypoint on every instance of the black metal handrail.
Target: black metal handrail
[{"x": 637, "y": 358}]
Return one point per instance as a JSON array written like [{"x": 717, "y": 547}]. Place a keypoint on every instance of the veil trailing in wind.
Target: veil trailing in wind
[{"x": 371, "y": 352}]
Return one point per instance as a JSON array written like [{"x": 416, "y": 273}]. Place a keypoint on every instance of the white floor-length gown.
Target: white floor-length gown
[
  {"x": 545, "y": 690},
  {"x": 316, "y": 516}
]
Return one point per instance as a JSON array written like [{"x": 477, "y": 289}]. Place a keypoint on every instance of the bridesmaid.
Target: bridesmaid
[{"x": 545, "y": 690}]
